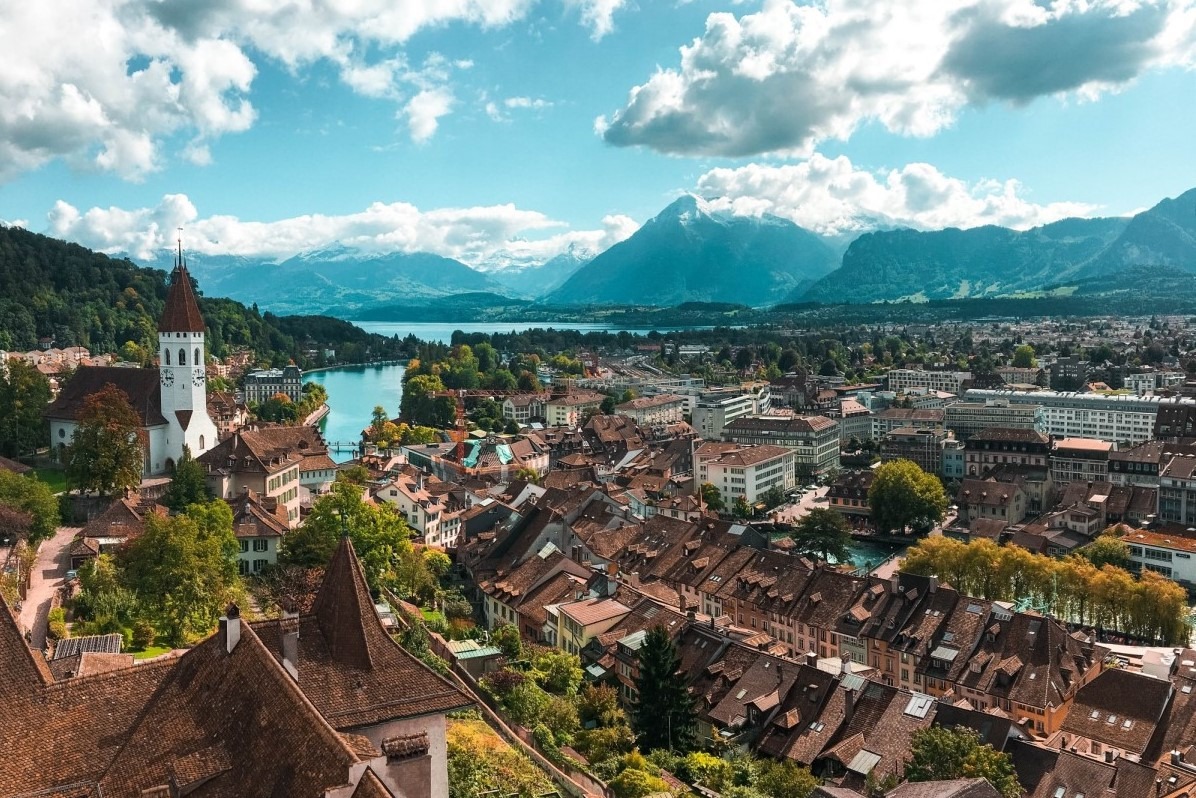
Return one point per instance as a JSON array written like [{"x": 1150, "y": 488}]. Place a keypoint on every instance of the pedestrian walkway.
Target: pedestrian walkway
[{"x": 49, "y": 572}]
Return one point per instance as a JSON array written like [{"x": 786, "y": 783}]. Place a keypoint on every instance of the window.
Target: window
[
  {"x": 259, "y": 565},
  {"x": 182, "y": 357},
  {"x": 166, "y": 352},
  {"x": 244, "y": 545},
  {"x": 243, "y": 567},
  {"x": 261, "y": 545},
  {"x": 198, "y": 360}
]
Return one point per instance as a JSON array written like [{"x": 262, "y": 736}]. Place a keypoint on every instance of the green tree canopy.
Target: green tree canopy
[
  {"x": 379, "y": 534},
  {"x": 183, "y": 569},
  {"x": 24, "y": 395},
  {"x": 33, "y": 499},
  {"x": 1107, "y": 549},
  {"x": 823, "y": 534},
  {"x": 713, "y": 497},
  {"x": 187, "y": 486},
  {"x": 940, "y": 754},
  {"x": 1023, "y": 357},
  {"x": 663, "y": 714},
  {"x": 106, "y": 454},
  {"x": 904, "y": 495}
]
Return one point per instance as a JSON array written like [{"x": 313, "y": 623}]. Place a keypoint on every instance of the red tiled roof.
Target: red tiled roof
[
  {"x": 182, "y": 309},
  {"x": 139, "y": 385}
]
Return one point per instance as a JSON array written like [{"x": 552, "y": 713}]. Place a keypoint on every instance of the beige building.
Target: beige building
[
  {"x": 568, "y": 410},
  {"x": 430, "y": 514},
  {"x": 1080, "y": 460},
  {"x": 665, "y": 408},
  {"x": 254, "y": 461}
]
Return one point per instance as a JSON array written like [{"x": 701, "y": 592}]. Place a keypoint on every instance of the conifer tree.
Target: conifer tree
[{"x": 663, "y": 715}]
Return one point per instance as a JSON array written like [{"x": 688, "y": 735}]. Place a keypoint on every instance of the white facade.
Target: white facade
[
  {"x": 949, "y": 381},
  {"x": 714, "y": 411},
  {"x": 1117, "y": 419},
  {"x": 183, "y": 377},
  {"x": 1169, "y": 555},
  {"x": 747, "y": 472}
]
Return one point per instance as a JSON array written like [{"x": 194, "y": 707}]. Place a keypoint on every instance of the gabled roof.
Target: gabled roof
[
  {"x": 181, "y": 313},
  {"x": 349, "y": 667},
  {"x": 141, "y": 386},
  {"x": 1119, "y": 708}
]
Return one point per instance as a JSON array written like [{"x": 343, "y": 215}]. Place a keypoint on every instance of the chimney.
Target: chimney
[
  {"x": 230, "y": 627},
  {"x": 1108, "y": 756},
  {"x": 844, "y": 665},
  {"x": 812, "y": 659},
  {"x": 244, "y": 490},
  {"x": 290, "y": 642},
  {"x": 1177, "y": 758}
]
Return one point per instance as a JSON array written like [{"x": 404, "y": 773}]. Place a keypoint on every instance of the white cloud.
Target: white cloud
[
  {"x": 598, "y": 15},
  {"x": 497, "y": 110},
  {"x": 790, "y": 75},
  {"x": 103, "y": 83},
  {"x": 832, "y": 196},
  {"x": 473, "y": 235},
  {"x": 424, "y": 110}
]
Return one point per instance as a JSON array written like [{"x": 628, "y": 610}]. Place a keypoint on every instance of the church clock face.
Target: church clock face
[
  {"x": 167, "y": 377},
  {"x": 199, "y": 379}
]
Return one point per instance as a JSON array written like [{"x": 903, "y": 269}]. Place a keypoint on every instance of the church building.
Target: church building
[{"x": 170, "y": 401}]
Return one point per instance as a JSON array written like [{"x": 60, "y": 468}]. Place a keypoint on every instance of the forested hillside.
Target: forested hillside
[{"x": 49, "y": 288}]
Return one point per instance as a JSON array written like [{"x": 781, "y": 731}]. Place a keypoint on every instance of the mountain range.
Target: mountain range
[{"x": 693, "y": 252}]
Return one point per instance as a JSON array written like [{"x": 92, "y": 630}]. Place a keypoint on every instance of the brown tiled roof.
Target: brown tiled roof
[
  {"x": 262, "y": 450},
  {"x": 23, "y": 670},
  {"x": 1014, "y": 434},
  {"x": 371, "y": 786},
  {"x": 1119, "y": 708},
  {"x": 255, "y": 517},
  {"x": 139, "y": 385},
  {"x": 349, "y": 667},
  {"x": 181, "y": 313},
  {"x": 954, "y": 788}
]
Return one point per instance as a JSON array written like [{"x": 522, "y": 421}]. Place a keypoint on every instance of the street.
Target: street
[{"x": 49, "y": 571}]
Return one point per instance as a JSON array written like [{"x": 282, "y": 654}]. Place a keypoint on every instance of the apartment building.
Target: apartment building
[
  {"x": 1080, "y": 460},
  {"x": 949, "y": 381},
  {"x": 568, "y": 410},
  {"x": 995, "y": 447},
  {"x": 886, "y": 421},
  {"x": 431, "y": 513},
  {"x": 665, "y": 408},
  {"x": 965, "y": 419},
  {"x": 715, "y": 410},
  {"x": 813, "y": 439},
  {"x": 266, "y": 383},
  {"x": 1177, "y": 491},
  {"x": 922, "y": 446},
  {"x": 1122, "y": 419},
  {"x": 1150, "y": 381},
  {"x": 522, "y": 408},
  {"x": 744, "y": 471},
  {"x": 1166, "y": 553}
]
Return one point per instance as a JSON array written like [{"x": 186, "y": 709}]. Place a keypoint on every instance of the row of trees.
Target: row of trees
[{"x": 1073, "y": 588}]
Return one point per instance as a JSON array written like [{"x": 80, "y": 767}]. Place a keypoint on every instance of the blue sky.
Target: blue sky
[{"x": 504, "y": 131}]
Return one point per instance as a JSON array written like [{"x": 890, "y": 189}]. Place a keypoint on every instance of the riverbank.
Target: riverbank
[
  {"x": 371, "y": 364},
  {"x": 353, "y": 393}
]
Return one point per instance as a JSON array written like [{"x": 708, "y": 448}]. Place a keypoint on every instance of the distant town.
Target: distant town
[{"x": 626, "y": 565}]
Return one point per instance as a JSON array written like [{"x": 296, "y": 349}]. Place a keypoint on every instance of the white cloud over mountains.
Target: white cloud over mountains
[
  {"x": 101, "y": 83},
  {"x": 473, "y": 235},
  {"x": 791, "y": 75},
  {"x": 832, "y": 196}
]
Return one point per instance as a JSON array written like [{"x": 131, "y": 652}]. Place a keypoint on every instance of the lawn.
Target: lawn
[
  {"x": 152, "y": 651},
  {"x": 432, "y": 616},
  {"x": 52, "y": 476}
]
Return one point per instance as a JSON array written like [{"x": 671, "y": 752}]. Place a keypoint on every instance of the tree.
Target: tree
[
  {"x": 106, "y": 454},
  {"x": 904, "y": 495},
  {"x": 187, "y": 486},
  {"x": 940, "y": 754},
  {"x": 506, "y": 639},
  {"x": 712, "y": 497},
  {"x": 663, "y": 715},
  {"x": 744, "y": 358},
  {"x": 378, "y": 420},
  {"x": 1107, "y": 549},
  {"x": 784, "y": 779},
  {"x": 278, "y": 409},
  {"x": 34, "y": 500},
  {"x": 608, "y": 406},
  {"x": 183, "y": 569},
  {"x": 741, "y": 508},
  {"x": 24, "y": 395},
  {"x": 438, "y": 562},
  {"x": 380, "y": 536},
  {"x": 824, "y": 534},
  {"x": 558, "y": 672},
  {"x": 1023, "y": 357}
]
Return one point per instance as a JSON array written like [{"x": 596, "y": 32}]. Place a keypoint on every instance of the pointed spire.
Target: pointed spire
[
  {"x": 343, "y": 607},
  {"x": 182, "y": 309}
]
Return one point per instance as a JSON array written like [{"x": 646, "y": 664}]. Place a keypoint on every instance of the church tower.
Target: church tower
[{"x": 183, "y": 371}]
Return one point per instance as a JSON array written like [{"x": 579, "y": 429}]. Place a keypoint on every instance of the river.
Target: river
[
  {"x": 443, "y": 331},
  {"x": 353, "y": 392}
]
